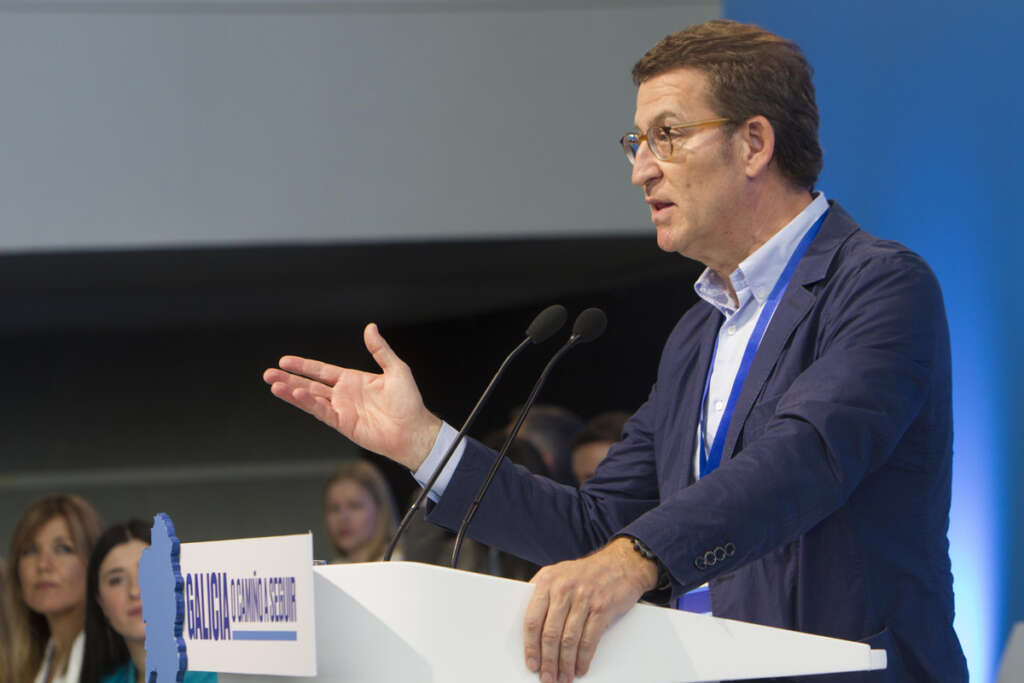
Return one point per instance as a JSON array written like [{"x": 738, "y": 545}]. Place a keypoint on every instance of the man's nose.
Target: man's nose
[{"x": 645, "y": 166}]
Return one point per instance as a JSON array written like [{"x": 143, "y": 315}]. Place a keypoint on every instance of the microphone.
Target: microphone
[
  {"x": 547, "y": 322},
  {"x": 589, "y": 325}
]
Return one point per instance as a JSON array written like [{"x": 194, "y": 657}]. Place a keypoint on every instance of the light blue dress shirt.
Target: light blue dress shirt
[{"x": 753, "y": 281}]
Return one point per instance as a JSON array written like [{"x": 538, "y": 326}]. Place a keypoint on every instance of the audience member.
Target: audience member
[
  {"x": 5, "y": 628},
  {"x": 521, "y": 452},
  {"x": 425, "y": 542},
  {"x": 524, "y": 453},
  {"x": 550, "y": 429},
  {"x": 115, "y": 650},
  {"x": 431, "y": 544},
  {"x": 46, "y": 593},
  {"x": 359, "y": 512},
  {"x": 591, "y": 445}
]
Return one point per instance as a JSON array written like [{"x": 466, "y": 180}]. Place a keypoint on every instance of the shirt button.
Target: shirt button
[
  {"x": 761, "y": 292},
  {"x": 731, "y": 330},
  {"x": 719, "y": 405}
]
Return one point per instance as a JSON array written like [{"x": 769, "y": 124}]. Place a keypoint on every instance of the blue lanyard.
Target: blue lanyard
[{"x": 709, "y": 460}]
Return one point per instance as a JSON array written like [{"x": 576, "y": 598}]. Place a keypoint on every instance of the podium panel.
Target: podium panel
[{"x": 418, "y": 623}]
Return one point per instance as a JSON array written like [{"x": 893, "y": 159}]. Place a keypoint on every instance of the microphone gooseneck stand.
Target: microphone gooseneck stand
[
  {"x": 547, "y": 322},
  {"x": 589, "y": 325}
]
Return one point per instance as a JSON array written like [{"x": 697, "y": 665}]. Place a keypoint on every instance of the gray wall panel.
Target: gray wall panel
[{"x": 220, "y": 123}]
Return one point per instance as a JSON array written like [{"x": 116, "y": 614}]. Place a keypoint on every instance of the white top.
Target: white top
[{"x": 74, "y": 670}]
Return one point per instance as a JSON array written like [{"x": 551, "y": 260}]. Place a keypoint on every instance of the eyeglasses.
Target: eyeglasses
[{"x": 659, "y": 138}]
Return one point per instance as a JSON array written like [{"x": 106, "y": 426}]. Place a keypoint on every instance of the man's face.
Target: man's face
[{"x": 691, "y": 194}]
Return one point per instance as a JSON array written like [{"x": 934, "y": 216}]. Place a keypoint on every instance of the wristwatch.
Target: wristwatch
[{"x": 663, "y": 590}]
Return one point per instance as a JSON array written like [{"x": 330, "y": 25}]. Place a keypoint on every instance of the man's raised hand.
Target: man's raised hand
[{"x": 383, "y": 413}]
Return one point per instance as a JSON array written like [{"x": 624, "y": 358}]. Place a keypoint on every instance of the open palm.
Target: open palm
[{"x": 383, "y": 413}]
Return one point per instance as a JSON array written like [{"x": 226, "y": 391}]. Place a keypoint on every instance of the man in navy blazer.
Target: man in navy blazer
[{"x": 828, "y": 513}]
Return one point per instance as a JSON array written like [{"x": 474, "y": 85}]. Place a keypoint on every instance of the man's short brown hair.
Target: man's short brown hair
[{"x": 750, "y": 72}]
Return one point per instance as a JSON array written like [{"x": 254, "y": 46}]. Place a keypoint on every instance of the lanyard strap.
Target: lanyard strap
[{"x": 709, "y": 460}]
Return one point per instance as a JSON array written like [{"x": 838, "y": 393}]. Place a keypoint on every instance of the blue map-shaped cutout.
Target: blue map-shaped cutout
[{"x": 163, "y": 604}]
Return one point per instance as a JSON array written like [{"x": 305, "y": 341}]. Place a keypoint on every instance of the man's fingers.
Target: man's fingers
[
  {"x": 571, "y": 636},
  {"x": 317, "y": 406},
  {"x": 596, "y": 624},
  {"x": 536, "y": 611},
  {"x": 275, "y": 376},
  {"x": 307, "y": 367},
  {"x": 286, "y": 392},
  {"x": 320, "y": 408},
  {"x": 379, "y": 349},
  {"x": 551, "y": 637}
]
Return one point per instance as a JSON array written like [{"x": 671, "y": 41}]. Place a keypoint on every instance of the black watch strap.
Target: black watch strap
[{"x": 663, "y": 590}]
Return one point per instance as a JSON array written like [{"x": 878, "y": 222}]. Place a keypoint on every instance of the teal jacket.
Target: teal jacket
[{"x": 126, "y": 674}]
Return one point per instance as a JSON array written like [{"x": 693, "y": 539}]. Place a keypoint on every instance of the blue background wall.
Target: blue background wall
[{"x": 922, "y": 128}]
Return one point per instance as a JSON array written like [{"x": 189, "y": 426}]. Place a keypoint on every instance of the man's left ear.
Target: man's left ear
[{"x": 759, "y": 145}]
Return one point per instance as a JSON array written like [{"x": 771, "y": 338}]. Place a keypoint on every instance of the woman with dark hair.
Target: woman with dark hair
[
  {"x": 115, "y": 633},
  {"x": 49, "y": 550}
]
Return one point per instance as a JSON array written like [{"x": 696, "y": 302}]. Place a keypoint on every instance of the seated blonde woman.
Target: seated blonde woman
[
  {"x": 359, "y": 512},
  {"x": 46, "y": 591},
  {"x": 5, "y": 631}
]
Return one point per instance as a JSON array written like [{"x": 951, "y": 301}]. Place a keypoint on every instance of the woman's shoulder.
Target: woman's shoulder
[
  {"x": 72, "y": 669},
  {"x": 200, "y": 677}
]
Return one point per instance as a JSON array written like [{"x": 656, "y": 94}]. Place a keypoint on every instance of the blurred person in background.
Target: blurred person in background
[
  {"x": 520, "y": 452},
  {"x": 49, "y": 552},
  {"x": 591, "y": 445},
  {"x": 551, "y": 430},
  {"x": 5, "y": 628},
  {"x": 525, "y": 454},
  {"x": 432, "y": 544},
  {"x": 359, "y": 512},
  {"x": 115, "y": 650}
]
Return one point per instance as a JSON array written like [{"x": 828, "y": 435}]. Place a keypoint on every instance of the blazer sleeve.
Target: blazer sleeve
[{"x": 545, "y": 522}]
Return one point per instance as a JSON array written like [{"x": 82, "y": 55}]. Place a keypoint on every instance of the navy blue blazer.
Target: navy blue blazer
[{"x": 830, "y": 510}]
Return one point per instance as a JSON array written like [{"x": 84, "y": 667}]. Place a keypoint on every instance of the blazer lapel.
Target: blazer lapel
[{"x": 795, "y": 304}]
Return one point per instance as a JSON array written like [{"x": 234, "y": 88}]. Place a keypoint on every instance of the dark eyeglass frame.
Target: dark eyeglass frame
[{"x": 631, "y": 141}]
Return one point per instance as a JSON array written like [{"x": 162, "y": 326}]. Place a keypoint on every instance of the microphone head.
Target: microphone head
[
  {"x": 547, "y": 322},
  {"x": 590, "y": 325}
]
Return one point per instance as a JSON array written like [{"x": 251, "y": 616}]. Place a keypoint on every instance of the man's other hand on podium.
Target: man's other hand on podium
[{"x": 574, "y": 602}]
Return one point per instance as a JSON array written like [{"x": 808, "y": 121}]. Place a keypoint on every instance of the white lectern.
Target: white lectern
[{"x": 404, "y": 622}]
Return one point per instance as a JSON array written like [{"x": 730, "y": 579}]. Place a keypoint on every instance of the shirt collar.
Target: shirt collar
[{"x": 757, "y": 274}]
